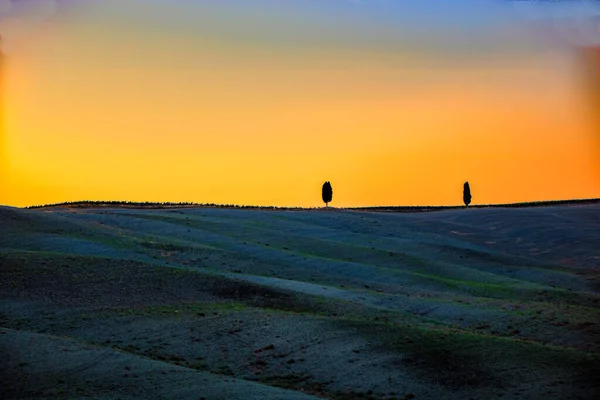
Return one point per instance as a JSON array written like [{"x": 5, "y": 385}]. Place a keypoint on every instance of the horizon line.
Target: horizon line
[{"x": 158, "y": 204}]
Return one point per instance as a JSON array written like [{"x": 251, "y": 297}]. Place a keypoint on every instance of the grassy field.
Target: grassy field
[{"x": 115, "y": 302}]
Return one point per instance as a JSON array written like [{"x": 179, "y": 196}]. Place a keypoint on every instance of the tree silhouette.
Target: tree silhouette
[
  {"x": 467, "y": 194},
  {"x": 327, "y": 193}
]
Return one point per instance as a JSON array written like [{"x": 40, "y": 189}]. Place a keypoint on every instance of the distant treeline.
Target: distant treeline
[
  {"x": 153, "y": 205},
  {"x": 156, "y": 205}
]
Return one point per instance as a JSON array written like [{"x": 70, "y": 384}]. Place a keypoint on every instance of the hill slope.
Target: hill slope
[{"x": 342, "y": 304}]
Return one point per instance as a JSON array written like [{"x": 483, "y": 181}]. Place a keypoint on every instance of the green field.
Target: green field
[{"x": 112, "y": 302}]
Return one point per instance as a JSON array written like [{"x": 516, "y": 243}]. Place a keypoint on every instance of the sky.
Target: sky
[{"x": 259, "y": 102}]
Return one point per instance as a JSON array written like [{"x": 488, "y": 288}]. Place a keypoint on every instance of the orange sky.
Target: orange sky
[{"x": 101, "y": 107}]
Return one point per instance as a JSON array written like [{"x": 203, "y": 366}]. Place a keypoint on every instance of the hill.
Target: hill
[
  {"x": 215, "y": 303},
  {"x": 158, "y": 205}
]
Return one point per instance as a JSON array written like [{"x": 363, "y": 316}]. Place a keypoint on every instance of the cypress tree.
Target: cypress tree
[
  {"x": 327, "y": 193},
  {"x": 467, "y": 194}
]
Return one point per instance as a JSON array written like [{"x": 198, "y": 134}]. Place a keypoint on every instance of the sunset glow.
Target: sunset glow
[{"x": 261, "y": 104}]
